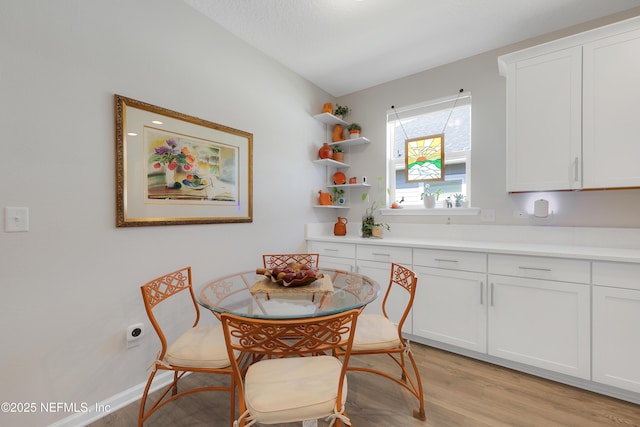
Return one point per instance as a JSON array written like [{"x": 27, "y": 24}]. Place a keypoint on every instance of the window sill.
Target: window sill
[{"x": 434, "y": 211}]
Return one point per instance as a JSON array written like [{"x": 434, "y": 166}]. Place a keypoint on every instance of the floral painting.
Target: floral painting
[
  {"x": 424, "y": 159},
  {"x": 181, "y": 168},
  {"x": 176, "y": 169}
]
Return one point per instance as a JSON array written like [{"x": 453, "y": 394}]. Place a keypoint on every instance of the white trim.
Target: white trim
[
  {"x": 391, "y": 113},
  {"x": 567, "y": 42},
  {"x": 114, "y": 402},
  {"x": 430, "y": 212}
]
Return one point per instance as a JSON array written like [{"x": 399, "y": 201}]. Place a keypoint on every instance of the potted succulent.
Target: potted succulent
[
  {"x": 338, "y": 153},
  {"x": 459, "y": 199},
  {"x": 429, "y": 198},
  {"x": 341, "y": 111},
  {"x": 354, "y": 130}
]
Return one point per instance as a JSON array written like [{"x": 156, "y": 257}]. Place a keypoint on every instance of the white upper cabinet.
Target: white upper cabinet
[
  {"x": 572, "y": 111},
  {"x": 611, "y": 90},
  {"x": 544, "y": 96}
]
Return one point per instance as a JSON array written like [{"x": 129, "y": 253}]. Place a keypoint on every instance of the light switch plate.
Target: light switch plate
[{"x": 16, "y": 219}]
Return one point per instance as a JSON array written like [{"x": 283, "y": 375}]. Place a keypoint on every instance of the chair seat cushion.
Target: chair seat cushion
[
  {"x": 375, "y": 332},
  {"x": 200, "y": 347},
  {"x": 293, "y": 389}
]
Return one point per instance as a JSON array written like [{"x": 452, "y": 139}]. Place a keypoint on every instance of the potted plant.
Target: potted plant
[
  {"x": 354, "y": 130},
  {"x": 371, "y": 228},
  {"x": 338, "y": 196},
  {"x": 459, "y": 199},
  {"x": 338, "y": 153},
  {"x": 429, "y": 198},
  {"x": 341, "y": 111}
]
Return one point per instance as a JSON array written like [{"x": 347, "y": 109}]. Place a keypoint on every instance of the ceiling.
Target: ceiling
[{"x": 344, "y": 46}]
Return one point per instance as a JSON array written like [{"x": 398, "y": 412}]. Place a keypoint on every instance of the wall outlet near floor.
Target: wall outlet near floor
[{"x": 135, "y": 332}]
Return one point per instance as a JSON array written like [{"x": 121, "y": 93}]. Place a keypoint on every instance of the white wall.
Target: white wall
[
  {"x": 70, "y": 286},
  {"x": 479, "y": 75}
]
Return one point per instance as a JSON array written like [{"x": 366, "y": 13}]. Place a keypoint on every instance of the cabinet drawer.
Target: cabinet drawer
[
  {"x": 341, "y": 250},
  {"x": 385, "y": 254},
  {"x": 452, "y": 260},
  {"x": 560, "y": 269},
  {"x": 616, "y": 274}
]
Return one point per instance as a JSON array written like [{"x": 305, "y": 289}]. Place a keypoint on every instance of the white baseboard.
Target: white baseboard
[{"x": 113, "y": 403}]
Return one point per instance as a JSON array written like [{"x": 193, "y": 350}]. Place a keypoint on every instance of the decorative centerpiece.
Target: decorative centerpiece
[{"x": 293, "y": 274}]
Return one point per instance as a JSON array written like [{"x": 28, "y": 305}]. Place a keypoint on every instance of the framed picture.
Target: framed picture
[
  {"x": 424, "y": 159},
  {"x": 175, "y": 169}
]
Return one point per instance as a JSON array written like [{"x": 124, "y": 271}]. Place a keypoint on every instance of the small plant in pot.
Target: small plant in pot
[
  {"x": 354, "y": 130},
  {"x": 338, "y": 196},
  {"x": 428, "y": 197},
  {"x": 371, "y": 228},
  {"x": 459, "y": 199},
  {"x": 341, "y": 111},
  {"x": 338, "y": 153}
]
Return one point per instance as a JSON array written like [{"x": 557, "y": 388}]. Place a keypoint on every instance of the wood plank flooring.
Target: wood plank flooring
[{"x": 459, "y": 392}]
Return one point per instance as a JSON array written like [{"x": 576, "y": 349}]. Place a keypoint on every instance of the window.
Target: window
[{"x": 449, "y": 116}]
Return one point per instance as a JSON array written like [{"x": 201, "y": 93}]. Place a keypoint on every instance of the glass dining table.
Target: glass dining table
[{"x": 251, "y": 294}]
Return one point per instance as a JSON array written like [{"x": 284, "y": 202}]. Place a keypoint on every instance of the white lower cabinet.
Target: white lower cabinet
[
  {"x": 616, "y": 325},
  {"x": 375, "y": 262},
  {"x": 340, "y": 256},
  {"x": 451, "y": 307},
  {"x": 540, "y": 323},
  {"x": 574, "y": 317},
  {"x": 451, "y": 299}
]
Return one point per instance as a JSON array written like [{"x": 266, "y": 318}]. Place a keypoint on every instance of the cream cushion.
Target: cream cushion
[
  {"x": 293, "y": 389},
  {"x": 375, "y": 332},
  {"x": 200, "y": 347}
]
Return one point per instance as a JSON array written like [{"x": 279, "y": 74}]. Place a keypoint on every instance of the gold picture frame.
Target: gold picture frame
[
  {"x": 175, "y": 169},
  {"x": 424, "y": 159}
]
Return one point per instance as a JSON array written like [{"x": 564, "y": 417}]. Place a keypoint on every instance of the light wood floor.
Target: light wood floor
[{"x": 459, "y": 392}]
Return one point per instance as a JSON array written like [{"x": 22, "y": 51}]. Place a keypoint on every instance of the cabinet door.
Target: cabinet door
[
  {"x": 451, "y": 307},
  {"x": 540, "y": 323},
  {"x": 616, "y": 337},
  {"x": 544, "y": 101},
  {"x": 611, "y": 126},
  {"x": 332, "y": 249},
  {"x": 346, "y": 264},
  {"x": 381, "y": 272}
]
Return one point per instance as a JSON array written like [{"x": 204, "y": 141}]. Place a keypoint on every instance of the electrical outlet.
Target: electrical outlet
[
  {"x": 520, "y": 214},
  {"x": 16, "y": 219},
  {"x": 134, "y": 333},
  {"x": 488, "y": 215}
]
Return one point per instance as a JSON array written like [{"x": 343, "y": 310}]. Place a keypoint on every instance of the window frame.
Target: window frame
[{"x": 395, "y": 164}]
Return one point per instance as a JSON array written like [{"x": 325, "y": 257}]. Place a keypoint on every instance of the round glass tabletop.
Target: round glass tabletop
[{"x": 253, "y": 295}]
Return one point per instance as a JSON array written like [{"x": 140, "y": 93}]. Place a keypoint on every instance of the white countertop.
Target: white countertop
[{"x": 593, "y": 244}]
